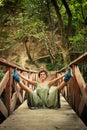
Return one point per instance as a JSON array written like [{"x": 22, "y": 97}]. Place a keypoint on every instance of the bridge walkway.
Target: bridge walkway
[{"x": 24, "y": 118}]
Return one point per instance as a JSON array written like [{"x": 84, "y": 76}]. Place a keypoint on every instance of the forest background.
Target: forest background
[{"x": 43, "y": 33}]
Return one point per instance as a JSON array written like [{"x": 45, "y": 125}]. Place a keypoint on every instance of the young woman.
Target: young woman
[{"x": 43, "y": 95}]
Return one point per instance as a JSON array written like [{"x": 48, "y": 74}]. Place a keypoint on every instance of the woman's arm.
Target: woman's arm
[
  {"x": 29, "y": 81},
  {"x": 55, "y": 80}
]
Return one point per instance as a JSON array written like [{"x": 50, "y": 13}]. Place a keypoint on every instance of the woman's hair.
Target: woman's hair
[{"x": 44, "y": 72}]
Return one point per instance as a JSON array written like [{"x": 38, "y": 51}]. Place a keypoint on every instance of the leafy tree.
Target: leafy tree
[{"x": 59, "y": 25}]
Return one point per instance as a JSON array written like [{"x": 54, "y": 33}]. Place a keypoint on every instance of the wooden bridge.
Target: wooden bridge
[{"x": 71, "y": 114}]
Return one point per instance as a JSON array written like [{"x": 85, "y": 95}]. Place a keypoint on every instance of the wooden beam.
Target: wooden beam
[
  {"x": 4, "y": 82},
  {"x": 80, "y": 59},
  {"x": 8, "y": 91},
  {"x": 8, "y": 64},
  {"x": 81, "y": 83},
  {"x": 20, "y": 97},
  {"x": 3, "y": 109},
  {"x": 18, "y": 89},
  {"x": 13, "y": 102},
  {"x": 80, "y": 79},
  {"x": 81, "y": 107}
]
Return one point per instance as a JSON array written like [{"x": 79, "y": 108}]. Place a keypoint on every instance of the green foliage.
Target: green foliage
[
  {"x": 78, "y": 38},
  {"x": 30, "y": 18},
  {"x": 1, "y": 2},
  {"x": 1, "y": 73},
  {"x": 83, "y": 69},
  {"x": 59, "y": 64},
  {"x": 45, "y": 60},
  {"x": 49, "y": 67}
]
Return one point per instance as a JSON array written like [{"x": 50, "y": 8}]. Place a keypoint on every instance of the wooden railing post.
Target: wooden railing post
[{"x": 8, "y": 92}]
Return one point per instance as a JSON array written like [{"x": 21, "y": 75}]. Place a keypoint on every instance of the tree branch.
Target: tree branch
[
  {"x": 69, "y": 17},
  {"x": 54, "y": 2}
]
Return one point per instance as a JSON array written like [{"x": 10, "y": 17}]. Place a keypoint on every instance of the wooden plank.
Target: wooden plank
[
  {"x": 13, "y": 102},
  {"x": 4, "y": 82},
  {"x": 81, "y": 83},
  {"x": 81, "y": 107},
  {"x": 3, "y": 109},
  {"x": 75, "y": 93},
  {"x": 8, "y": 91},
  {"x": 24, "y": 118},
  {"x": 22, "y": 97},
  {"x": 80, "y": 79},
  {"x": 17, "y": 89},
  {"x": 77, "y": 97}
]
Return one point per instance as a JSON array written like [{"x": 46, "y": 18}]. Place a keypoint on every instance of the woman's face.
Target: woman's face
[{"x": 43, "y": 76}]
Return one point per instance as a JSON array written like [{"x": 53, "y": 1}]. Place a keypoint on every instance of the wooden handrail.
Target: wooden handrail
[
  {"x": 10, "y": 88},
  {"x": 8, "y": 64},
  {"x": 80, "y": 59},
  {"x": 74, "y": 92}
]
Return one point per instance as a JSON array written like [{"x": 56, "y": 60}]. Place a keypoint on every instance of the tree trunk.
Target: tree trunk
[
  {"x": 64, "y": 34},
  {"x": 28, "y": 52}
]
